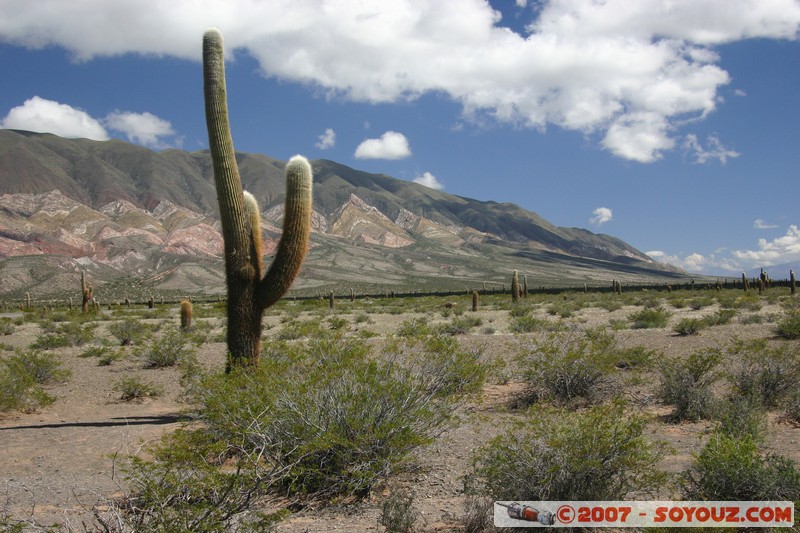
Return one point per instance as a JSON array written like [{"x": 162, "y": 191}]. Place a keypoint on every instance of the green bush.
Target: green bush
[
  {"x": 297, "y": 329},
  {"x": 133, "y": 388},
  {"x": 43, "y": 367},
  {"x": 7, "y": 327},
  {"x": 414, "y": 327},
  {"x": 397, "y": 512},
  {"x": 66, "y": 334},
  {"x": 649, "y": 317},
  {"x": 319, "y": 419},
  {"x": 597, "y": 454},
  {"x": 731, "y": 468},
  {"x": 130, "y": 331},
  {"x": 687, "y": 384},
  {"x": 168, "y": 349},
  {"x": 766, "y": 374},
  {"x": 789, "y": 326},
  {"x": 635, "y": 357},
  {"x": 460, "y": 325},
  {"x": 564, "y": 366},
  {"x": 741, "y": 417},
  {"x": 721, "y": 317},
  {"x": 689, "y": 326},
  {"x": 21, "y": 376}
]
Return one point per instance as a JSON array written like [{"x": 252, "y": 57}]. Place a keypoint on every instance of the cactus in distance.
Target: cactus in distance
[{"x": 250, "y": 290}]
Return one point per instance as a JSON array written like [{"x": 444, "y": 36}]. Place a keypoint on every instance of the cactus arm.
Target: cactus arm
[
  {"x": 293, "y": 245},
  {"x": 257, "y": 252}
]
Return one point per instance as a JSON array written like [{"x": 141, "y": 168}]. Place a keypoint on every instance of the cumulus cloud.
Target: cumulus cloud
[
  {"x": 46, "y": 116},
  {"x": 715, "y": 149},
  {"x": 783, "y": 249},
  {"x": 326, "y": 140},
  {"x": 601, "y": 216},
  {"x": 693, "y": 262},
  {"x": 760, "y": 224},
  {"x": 429, "y": 180},
  {"x": 628, "y": 72},
  {"x": 42, "y": 115},
  {"x": 391, "y": 145},
  {"x": 141, "y": 128}
]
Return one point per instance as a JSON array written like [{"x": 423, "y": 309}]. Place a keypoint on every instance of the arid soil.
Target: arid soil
[{"x": 63, "y": 462}]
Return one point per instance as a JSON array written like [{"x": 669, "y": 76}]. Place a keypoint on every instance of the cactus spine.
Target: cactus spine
[
  {"x": 87, "y": 291},
  {"x": 515, "y": 287},
  {"x": 186, "y": 315},
  {"x": 250, "y": 292}
]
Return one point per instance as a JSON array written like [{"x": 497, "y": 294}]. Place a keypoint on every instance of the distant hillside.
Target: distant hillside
[{"x": 127, "y": 211}]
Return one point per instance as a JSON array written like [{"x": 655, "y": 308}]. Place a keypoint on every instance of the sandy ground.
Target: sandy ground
[{"x": 59, "y": 463}]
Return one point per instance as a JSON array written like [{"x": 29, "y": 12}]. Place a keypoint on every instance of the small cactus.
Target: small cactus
[
  {"x": 525, "y": 286},
  {"x": 331, "y": 300},
  {"x": 745, "y": 286},
  {"x": 474, "y": 301},
  {"x": 250, "y": 290},
  {"x": 186, "y": 315},
  {"x": 792, "y": 284}
]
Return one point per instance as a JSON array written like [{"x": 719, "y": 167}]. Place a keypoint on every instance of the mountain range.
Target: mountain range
[{"x": 143, "y": 222}]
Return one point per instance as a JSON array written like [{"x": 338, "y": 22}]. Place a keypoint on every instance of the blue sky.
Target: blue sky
[{"x": 674, "y": 126}]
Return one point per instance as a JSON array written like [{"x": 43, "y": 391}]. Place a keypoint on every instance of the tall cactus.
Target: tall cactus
[
  {"x": 515, "y": 287},
  {"x": 250, "y": 292},
  {"x": 87, "y": 292}
]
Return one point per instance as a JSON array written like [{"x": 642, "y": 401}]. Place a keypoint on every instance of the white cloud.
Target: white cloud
[
  {"x": 760, "y": 224},
  {"x": 693, "y": 262},
  {"x": 629, "y": 72},
  {"x": 715, "y": 149},
  {"x": 141, "y": 128},
  {"x": 740, "y": 92},
  {"x": 391, "y": 145},
  {"x": 601, "y": 216},
  {"x": 429, "y": 180},
  {"x": 41, "y": 115},
  {"x": 783, "y": 249},
  {"x": 326, "y": 140}
]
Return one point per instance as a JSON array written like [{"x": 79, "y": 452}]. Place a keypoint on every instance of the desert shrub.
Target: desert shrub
[
  {"x": 789, "y": 326},
  {"x": 7, "y": 327},
  {"x": 168, "y": 349},
  {"x": 322, "y": 418},
  {"x": 519, "y": 311},
  {"x": 721, "y": 317},
  {"x": 635, "y": 357},
  {"x": 414, "y": 327},
  {"x": 793, "y": 407},
  {"x": 298, "y": 329},
  {"x": 597, "y": 454},
  {"x": 21, "y": 376},
  {"x": 766, "y": 374},
  {"x": 130, "y": 331},
  {"x": 731, "y": 468},
  {"x": 649, "y": 317},
  {"x": 741, "y": 417},
  {"x": 65, "y": 334},
  {"x": 337, "y": 322},
  {"x": 610, "y": 304},
  {"x": 362, "y": 318},
  {"x": 700, "y": 302},
  {"x": 752, "y": 318},
  {"x": 133, "y": 388},
  {"x": 460, "y": 325},
  {"x": 43, "y": 367},
  {"x": 563, "y": 366},
  {"x": 397, "y": 512},
  {"x": 478, "y": 514},
  {"x": 687, "y": 384},
  {"x": 689, "y": 326}
]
